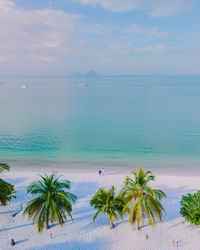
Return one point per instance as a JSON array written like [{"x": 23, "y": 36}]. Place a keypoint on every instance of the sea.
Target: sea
[{"x": 115, "y": 121}]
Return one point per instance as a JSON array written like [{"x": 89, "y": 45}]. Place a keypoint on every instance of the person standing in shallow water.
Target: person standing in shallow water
[{"x": 99, "y": 172}]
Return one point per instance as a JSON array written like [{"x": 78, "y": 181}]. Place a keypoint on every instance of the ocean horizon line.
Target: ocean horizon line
[{"x": 102, "y": 75}]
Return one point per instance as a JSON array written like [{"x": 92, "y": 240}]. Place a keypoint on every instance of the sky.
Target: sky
[{"x": 111, "y": 37}]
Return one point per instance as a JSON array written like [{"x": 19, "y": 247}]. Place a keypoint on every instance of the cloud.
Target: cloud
[
  {"x": 135, "y": 63},
  {"x": 152, "y": 48},
  {"x": 99, "y": 61},
  {"x": 52, "y": 44},
  {"x": 33, "y": 35},
  {"x": 172, "y": 7},
  {"x": 4, "y": 59},
  {"x": 52, "y": 41},
  {"x": 119, "y": 46},
  {"x": 134, "y": 29},
  {"x": 137, "y": 29},
  {"x": 44, "y": 59},
  {"x": 155, "y": 32},
  {"x": 97, "y": 29},
  {"x": 155, "y": 8},
  {"x": 149, "y": 48},
  {"x": 161, "y": 46}
]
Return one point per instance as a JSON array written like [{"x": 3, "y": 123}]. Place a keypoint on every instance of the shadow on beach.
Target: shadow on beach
[
  {"x": 172, "y": 203},
  {"x": 75, "y": 245},
  {"x": 16, "y": 227},
  {"x": 20, "y": 241}
]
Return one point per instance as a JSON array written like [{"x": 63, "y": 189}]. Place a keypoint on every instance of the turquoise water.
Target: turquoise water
[{"x": 114, "y": 121}]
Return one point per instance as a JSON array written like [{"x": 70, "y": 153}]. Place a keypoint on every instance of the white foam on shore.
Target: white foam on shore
[{"x": 83, "y": 233}]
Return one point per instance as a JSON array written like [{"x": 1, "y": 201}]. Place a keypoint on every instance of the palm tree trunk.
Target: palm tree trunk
[
  {"x": 47, "y": 220},
  {"x": 111, "y": 225},
  {"x": 143, "y": 216}
]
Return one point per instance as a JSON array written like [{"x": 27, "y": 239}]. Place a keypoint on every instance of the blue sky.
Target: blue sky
[{"x": 59, "y": 37}]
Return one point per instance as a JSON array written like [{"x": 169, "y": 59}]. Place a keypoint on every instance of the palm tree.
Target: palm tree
[
  {"x": 4, "y": 166},
  {"x": 6, "y": 189},
  {"x": 142, "y": 200},
  {"x": 6, "y": 192},
  {"x": 52, "y": 203},
  {"x": 106, "y": 202}
]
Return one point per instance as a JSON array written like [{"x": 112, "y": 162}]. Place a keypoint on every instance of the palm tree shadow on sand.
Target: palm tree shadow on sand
[
  {"x": 96, "y": 244},
  {"x": 172, "y": 202},
  {"x": 16, "y": 227}
]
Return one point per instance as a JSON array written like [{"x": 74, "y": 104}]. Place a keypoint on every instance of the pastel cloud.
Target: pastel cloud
[
  {"x": 119, "y": 46},
  {"x": 151, "y": 31},
  {"x": 156, "y": 8},
  {"x": 52, "y": 41},
  {"x": 4, "y": 59},
  {"x": 152, "y": 48},
  {"x": 44, "y": 59},
  {"x": 172, "y": 7},
  {"x": 33, "y": 35},
  {"x": 134, "y": 29}
]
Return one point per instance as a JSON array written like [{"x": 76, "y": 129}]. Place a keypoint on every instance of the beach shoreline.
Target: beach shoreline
[{"x": 85, "y": 168}]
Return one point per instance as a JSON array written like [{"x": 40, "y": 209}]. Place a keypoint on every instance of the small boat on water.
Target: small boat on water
[
  {"x": 82, "y": 85},
  {"x": 23, "y": 86}
]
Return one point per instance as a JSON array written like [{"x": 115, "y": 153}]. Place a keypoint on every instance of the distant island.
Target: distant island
[{"x": 90, "y": 73}]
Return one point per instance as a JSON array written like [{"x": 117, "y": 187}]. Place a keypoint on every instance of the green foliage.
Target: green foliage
[
  {"x": 6, "y": 192},
  {"x": 190, "y": 208},
  {"x": 141, "y": 200},
  {"x": 6, "y": 189},
  {"x": 106, "y": 202},
  {"x": 52, "y": 203},
  {"x": 4, "y": 166}
]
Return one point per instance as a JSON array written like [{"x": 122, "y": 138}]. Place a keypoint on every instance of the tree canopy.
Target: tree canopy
[
  {"x": 106, "y": 202},
  {"x": 190, "y": 207},
  {"x": 53, "y": 201},
  {"x": 7, "y": 190},
  {"x": 142, "y": 201}
]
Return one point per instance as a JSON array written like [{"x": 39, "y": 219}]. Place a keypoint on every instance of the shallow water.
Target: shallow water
[{"x": 114, "y": 121}]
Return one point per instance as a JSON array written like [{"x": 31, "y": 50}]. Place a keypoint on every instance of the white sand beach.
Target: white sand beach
[{"x": 83, "y": 233}]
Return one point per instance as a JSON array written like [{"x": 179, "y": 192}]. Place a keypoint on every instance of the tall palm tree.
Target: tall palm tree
[
  {"x": 142, "y": 200},
  {"x": 7, "y": 190},
  {"x": 52, "y": 203},
  {"x": 106, "y": 202}
]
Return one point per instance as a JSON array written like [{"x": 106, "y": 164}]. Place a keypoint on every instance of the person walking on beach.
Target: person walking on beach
[
  {"x": 99, "y": 172},
  {"x": 102, "y": 171}
]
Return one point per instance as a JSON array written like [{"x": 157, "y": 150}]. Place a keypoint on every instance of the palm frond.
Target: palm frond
[
  {"x": 52, "y": 203},
  {"x": 106, "y": 203},
  {"x": 140, "y": 199},
  {"x": 4, "y": 166}
]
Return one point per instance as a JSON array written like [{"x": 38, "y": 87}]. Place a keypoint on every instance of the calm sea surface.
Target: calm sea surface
[{"x": 114, "y": 121}]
